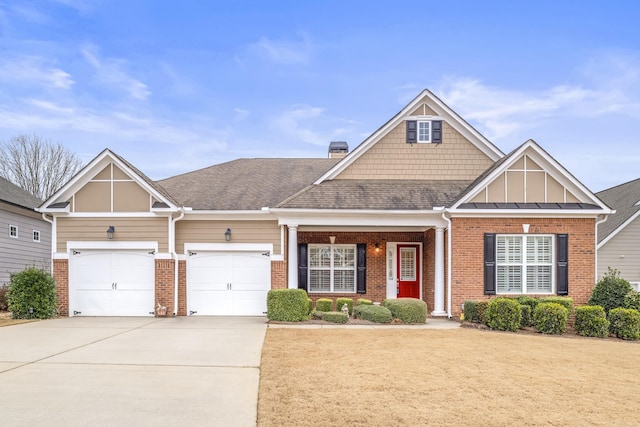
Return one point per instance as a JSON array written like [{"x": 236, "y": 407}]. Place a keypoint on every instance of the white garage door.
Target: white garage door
[
  {"x": 228, "y": 283},
  {"x": 119, "y": 283}
]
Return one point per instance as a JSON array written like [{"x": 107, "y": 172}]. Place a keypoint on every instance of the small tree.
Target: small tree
[
  {"x": 32, "y": 294},
  {"x": 610, "y": 291},
  {"x": 37, "y": 165}
]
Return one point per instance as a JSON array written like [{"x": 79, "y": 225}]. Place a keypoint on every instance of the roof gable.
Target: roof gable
[
  {"x": 430, "y": 106},
  {"x": 109, "y": 183},
  {"x": 530, "y": 178}
]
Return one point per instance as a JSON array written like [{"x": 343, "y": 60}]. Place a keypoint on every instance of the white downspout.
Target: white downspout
[
  {"x": 606, "y": 217},
  {"x": 174, "y": 255},
  {"x": 54, "y": 237},
  {"x": 444, "y": 216}
]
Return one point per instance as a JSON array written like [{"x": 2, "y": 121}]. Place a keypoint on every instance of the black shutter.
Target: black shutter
[
  {"x": 412, "y": 131},
  {"x": 436, "y": 131},
  {"x": 302, "y": 265},
  {"x": 562, "y": 265},
  {"x": 489, "y": 264},
  {"x": 361, "y": 277}
]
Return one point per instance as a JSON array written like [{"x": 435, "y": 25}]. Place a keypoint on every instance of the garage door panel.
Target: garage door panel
[
  {"x": 132, "y": 270},
  {"x": 249, "y": 303}
]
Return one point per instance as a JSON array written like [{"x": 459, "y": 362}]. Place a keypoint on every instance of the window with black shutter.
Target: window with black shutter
[
  {"x": 412, "y": 131},
  {"x": 361, "y": 280},
  {"x": 303, "y": 264},
  {"x": 489, "y": 264},
  {"x": 562, "y": 264}
]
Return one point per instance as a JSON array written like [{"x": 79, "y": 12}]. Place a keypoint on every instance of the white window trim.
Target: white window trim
[
  {"x": 333, "y": 269},
  {"x": 11, "y": 227},
  {"x": 524, "y": 264},
  {"x": 34, "y": 236},
  {"x": 423, "y": 141}
]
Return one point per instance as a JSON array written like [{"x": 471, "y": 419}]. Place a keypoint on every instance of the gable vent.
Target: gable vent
[{"x": 338, "y": 149}]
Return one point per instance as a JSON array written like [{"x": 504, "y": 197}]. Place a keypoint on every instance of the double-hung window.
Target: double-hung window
[
  {"x": 13, "y": 231},
  {"x": 424, "y": 131},
  {"x": 524, "y": 264},
  {"x": 332, "y": 268}
]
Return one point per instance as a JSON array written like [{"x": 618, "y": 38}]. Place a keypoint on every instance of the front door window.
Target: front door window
[{"x": 408, "y": 271}]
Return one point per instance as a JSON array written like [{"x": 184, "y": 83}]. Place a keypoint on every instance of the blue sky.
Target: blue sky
[{"x": 178, "y": 85}]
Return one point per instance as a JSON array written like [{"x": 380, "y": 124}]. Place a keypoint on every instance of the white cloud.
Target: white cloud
[
  {"x": 111, "y": 71},
  {"x": 240, "y": 114},
  {"x": 297, "y": 124},
  {"x": 34, "y": 70},
  {"x": 280, "y": 51}
]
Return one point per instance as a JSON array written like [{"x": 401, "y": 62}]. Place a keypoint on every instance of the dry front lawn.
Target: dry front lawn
[{"x": 401, "y": 377}]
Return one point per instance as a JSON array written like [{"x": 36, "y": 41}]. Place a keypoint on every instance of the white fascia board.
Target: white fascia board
[
  {"x": 229, "y": 247},
  {"x": 111, "y": 245},
  {"x": 239, "y": 215},
  {"x": 114, "y": 215},
  {"x": 619, "y": 229},
  {"x": 356, "y": 218}
]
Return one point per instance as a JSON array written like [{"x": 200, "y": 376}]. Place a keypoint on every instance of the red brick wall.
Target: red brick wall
[
  {"x": 278, "y": 274},
  {"x": 468, "y": 252},
  {"x": 61, "y": 275},
  {"x": 182, "y": 288},
  {"x": 165, "y": 279}
]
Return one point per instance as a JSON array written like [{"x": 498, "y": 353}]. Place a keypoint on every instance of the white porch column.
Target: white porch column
[
  {"x": 438, "y": 299},
  {"x": 292, "y": 258}
]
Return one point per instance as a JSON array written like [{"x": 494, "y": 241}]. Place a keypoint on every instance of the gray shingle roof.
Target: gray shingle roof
[
  {"x": 11, "y": 193},
  {"x": 623, "y": 198},
  {"x": 245, "y": 184},
  {"x": 376, "y": 194}
]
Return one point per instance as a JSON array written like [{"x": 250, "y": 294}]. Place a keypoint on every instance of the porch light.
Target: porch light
[
  {"x": 110, "y": 232},
  {"x": 377, "y": 246},
  {"x": 227, "y": 234}
]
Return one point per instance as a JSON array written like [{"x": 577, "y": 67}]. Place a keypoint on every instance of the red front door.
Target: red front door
[{"x": 408, "y": 271}]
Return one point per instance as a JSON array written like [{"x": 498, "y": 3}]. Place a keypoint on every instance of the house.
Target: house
[
  {"x": 25, "y": 239},
  {"x": 425, "y": 207},
  {"x": 619, "y": 236}
]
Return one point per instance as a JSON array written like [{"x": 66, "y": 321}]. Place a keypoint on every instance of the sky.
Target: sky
[{"x": 174, "y": 86}]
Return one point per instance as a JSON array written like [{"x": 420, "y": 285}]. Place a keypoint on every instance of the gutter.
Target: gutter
[
  {"x": 174, "y": 255},
  {"x": 449, "y": 260},
  {"x": 54, "y": 238},
  {"x": 606, "y": 217}
]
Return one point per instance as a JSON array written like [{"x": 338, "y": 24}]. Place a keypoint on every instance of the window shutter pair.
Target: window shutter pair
[
  {"x": 562, "y": 264},
  {"x": 412, "y": 131},
  {"x": 361, "y": 267}
]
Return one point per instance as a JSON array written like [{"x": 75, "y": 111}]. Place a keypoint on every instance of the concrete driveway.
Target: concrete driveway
[{"x": 131, "y": 371}]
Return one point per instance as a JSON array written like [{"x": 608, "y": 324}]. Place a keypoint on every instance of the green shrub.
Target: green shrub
[
  {"x": 364, "y": 301},
  {"x": 591, "y": 321},
  {"x": 481, "y": 306},
  {"x": 373, "y": 313},
  {"x": 408, "y": 310},
  {"x": 610, "y": 291},
  {"x": 32, "y": 288},
  {"x": 632, "y": 300},
  {"x": 550, "y": 318},
  {"x": 470, "y": 310},
  {"x": 309, "y": 305},
  {"x": 342, "y": 301},
  {"x": 530, "y": 301},
  {"x": 566, "y": 302},
  {"x": 4, "y": 304},
  {"x": 335, "y": 317},
  {"x": 625, "y": 323},
  {"x": 503, "y": 314},
  {"x": 287, "y": 305},
  {"x": 324, "y": 304},
  {"x": 526, "y": 316},
  {"x": 317, "y": 315}
]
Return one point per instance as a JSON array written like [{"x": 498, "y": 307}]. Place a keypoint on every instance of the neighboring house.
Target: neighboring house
[
  {"x": 619, "y": 235},
  {"x": 25, "y": 238},
  {"x": 425, "y": 207}
]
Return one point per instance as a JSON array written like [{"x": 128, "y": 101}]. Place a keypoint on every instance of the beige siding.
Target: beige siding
[
  {"x": 93, "y": 197},
  {"x": 535, "y": 185},
  {"x": 393, "y": 158},
  {"x": 626, "y": 243},
  {"x": 104, "y": 175},
  {"x": 555, "y": 190},
  {"x": 515, "y": 186},
  {"x": 129, "y": 197},
  {"x": 496, "y": 190},
  {"x": 127, "y": 229},
  {"x": 241, "y": 232}
]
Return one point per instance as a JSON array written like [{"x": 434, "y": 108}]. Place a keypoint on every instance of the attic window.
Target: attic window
[{"x": 424, "y": 131}]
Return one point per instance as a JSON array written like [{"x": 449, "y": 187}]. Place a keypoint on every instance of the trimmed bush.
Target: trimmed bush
[
  {"x": 530, "y": 301},
  {"x": 610, "y": 291},
  {"x": 526, "y": 316},
  {"x": 316, "y": 315},
  {"x": 335, "y": 317},
  {"x": 287, "y": 305},
  {"x": 4, "y": 304},
  {"x": 625, "y": 323},
  {"x": 342, "y": 301},
  {"x": 364, "y": 301},
  {"x": 631, "y": 300},
  {"x": 324, "y": 304},
  {"x": 32, "y": 288},
  {"x": 470, "y": 312},
  {"x": 566, "y": 302},
  {"x": 373, "y": 313},
  {"x": 550, "y": 318},
  {"x": 309, "y": 305},
  {"x": 503, "y": 314},
  {"x": 591, "y": 321},
  {"x": 408, "y": 310},
  {"x": 481, "y": 306}
]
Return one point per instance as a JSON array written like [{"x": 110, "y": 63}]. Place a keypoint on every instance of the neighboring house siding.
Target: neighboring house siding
[
  {"x": 622, "y": 252},
  {"x": 468, "y": 244},
  {"x": 127, "y": 229},
  {"x": 203, "y": 231},
  {"x": 18, "y": 253},
  {"x": 392, "y": 158}
]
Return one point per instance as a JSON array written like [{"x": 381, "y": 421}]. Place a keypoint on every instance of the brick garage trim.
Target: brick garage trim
[
  {"x": 467, "y": 268},
  {"x": 164, "y": 284},
  {"x": 61, "y": 276}
]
